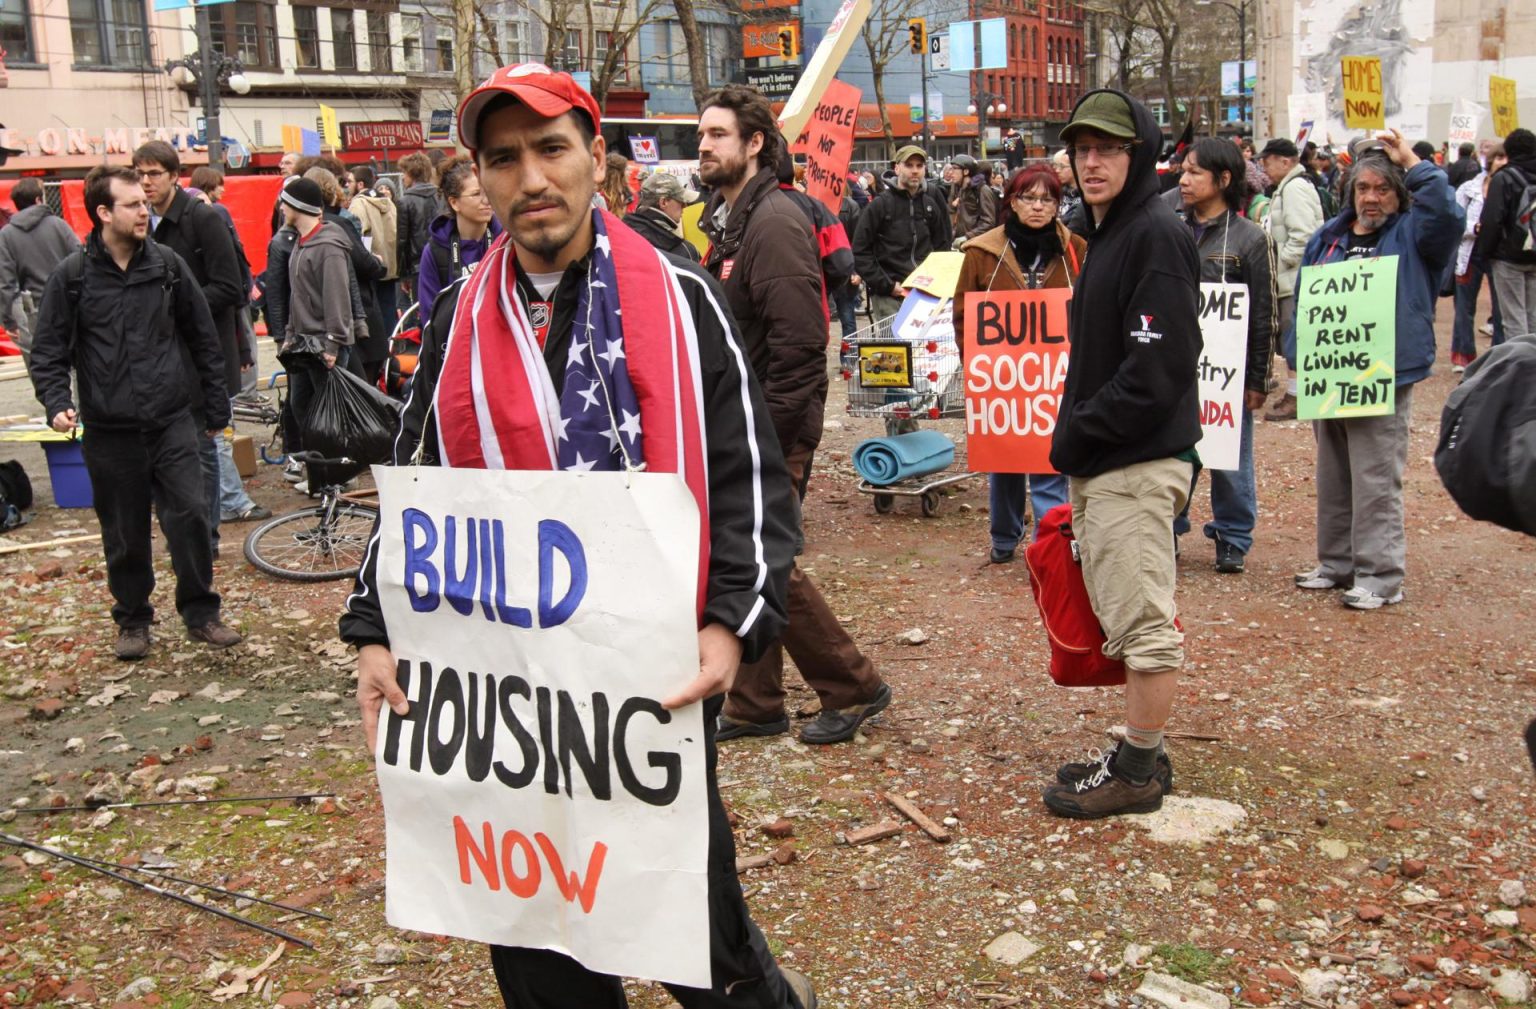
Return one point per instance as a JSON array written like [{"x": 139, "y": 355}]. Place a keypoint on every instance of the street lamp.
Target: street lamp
[
  {"x": 210, "y": 70},
  {"x": 1241, "y": 10},
  {"x": 983, "y": 105}
]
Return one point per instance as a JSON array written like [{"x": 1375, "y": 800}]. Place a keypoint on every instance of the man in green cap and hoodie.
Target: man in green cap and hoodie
[{"x": 1125, "y": 435}]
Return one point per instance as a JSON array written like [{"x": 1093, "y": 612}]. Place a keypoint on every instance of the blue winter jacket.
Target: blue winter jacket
[{"x": 1424, "y": 240}]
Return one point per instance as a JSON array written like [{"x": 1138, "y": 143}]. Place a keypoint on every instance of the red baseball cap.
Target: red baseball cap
[{"x": 546, "y": 92}]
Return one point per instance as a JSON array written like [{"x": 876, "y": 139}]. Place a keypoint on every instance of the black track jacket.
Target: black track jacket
[{"x": 1132, "y": 393}]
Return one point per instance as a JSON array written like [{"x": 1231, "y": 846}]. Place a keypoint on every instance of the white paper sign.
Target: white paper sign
[
  {"x": 1307, "y": 111},
  {"x": 1224, "y": 311},
  {"x": 538, "y": 795},
  {"x": 1466, "y": 118}
]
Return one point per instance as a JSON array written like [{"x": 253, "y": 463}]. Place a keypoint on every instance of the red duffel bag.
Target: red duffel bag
[{"x": 1056, "y": 576}]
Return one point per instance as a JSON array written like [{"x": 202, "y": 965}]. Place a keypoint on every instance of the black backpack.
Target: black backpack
[
  {"x": 1487, "y": 451},
  {"x": 1524, "y": 210},
  {"x": 15, "y": 495}
]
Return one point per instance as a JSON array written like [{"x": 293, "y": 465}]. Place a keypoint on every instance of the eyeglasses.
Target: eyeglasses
[
  {"x": 1039, "y": 201},
  {"x": 154, "y": 173},
  {"x": 135, "y": 206},
  {"x": 1076, "y": 151}
]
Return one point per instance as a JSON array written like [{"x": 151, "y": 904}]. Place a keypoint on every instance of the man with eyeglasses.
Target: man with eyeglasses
[
  {"x": 126, "y": 317},
  {"x": 1128, "y": 422}
]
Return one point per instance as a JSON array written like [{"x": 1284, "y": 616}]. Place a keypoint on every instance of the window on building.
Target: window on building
[
  {"x": 306, "y": 36},
  {"x": 570, "y": 52},
  {"x": 1034, "y": 40},
  {"x": 512, "y": 41},
  {"x": 110, "y": 33},
  {"x": 344, "y": 38},
  {"x": 410, "y": 42},
  {"x": 246, "y": 30},
  {"x": 379, "y": 56},
  {"x": 445, "y": 53},
  {"x": 718, "y": 54},
  {"x": 1013, "y": 42},
  {"x": 608, "y": 42},
  {"x": 16, "y": 31}
]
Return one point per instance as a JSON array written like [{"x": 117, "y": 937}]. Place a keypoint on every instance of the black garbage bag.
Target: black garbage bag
[{"x": 349, "y": 418}]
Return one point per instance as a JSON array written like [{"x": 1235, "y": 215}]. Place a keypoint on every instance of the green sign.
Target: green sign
[{"x": 1346, "y": 339}]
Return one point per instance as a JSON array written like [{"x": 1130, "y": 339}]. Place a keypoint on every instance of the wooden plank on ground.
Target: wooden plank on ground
[{"x": 909, "y": 809}]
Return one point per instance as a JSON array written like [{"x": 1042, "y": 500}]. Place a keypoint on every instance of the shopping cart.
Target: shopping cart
[{"x": 910, "y": 373}]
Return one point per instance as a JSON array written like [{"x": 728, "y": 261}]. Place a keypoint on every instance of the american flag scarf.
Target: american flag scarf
[{"x": 631, "y": 400}]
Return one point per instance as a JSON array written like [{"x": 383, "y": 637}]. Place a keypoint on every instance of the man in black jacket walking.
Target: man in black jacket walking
[
  {"x": 197, "y": 234},
  {"x": 1128, "y": 422},
  {"x": 126, "y": 316},
  {"x": 764, "y": 253}
]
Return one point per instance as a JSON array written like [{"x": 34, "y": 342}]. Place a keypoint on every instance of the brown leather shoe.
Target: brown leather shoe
[
  {"x": 132, "y": 643},
  {"x": 1104, "y": 793},
  {"x": 1284, "y": 409},
  {"x": 215, "y": 633}
]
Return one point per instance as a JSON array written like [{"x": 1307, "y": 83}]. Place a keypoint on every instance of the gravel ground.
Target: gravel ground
[{"x": 1358, "y": 782}]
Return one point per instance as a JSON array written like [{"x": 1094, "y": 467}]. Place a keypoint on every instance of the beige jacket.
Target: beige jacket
[{"x": 379, "y": 218}]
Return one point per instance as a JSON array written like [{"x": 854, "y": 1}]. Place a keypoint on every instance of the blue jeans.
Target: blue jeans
[
  {"x": 845, "y": 303},
  {"x": 1464, "y": 331},
  {"x": 1006, "y": 495},
  {"x": 1234, "y": 498},
  {"x": 232, "y": 495}
]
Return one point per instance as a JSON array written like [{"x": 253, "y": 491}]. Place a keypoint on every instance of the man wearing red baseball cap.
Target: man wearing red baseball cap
[{"x": 621, "y": 330}]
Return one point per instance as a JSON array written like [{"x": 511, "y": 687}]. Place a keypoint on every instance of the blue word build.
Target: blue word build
[{"x": 463, "y": 561}]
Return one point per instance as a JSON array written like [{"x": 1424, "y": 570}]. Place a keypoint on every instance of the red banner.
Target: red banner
[
  {"x": 827, "y": 144},
  {"x": 1015, "y": 372}
]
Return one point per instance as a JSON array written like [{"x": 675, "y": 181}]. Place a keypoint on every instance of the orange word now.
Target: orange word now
[{"x": 499, "y": 863}]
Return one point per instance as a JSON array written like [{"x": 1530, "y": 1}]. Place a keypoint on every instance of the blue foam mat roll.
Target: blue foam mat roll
[{"x": 884, "y": 461}]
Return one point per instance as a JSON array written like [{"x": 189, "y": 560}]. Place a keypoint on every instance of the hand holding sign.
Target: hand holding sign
[
  {"x": 719, "y": 658},
  {"x": 376, "y": 687}
]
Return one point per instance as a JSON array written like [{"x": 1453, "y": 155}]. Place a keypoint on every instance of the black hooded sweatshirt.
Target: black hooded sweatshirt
[{"x": 1132, "y": 393}]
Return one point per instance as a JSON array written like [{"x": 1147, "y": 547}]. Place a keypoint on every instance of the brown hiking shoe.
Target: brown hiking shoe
[
  {"x": 1284, "y": 409},
  {"x": 1104, "y": 793},
  {"x": 215, "y": 633},
  {"x": 132, "y": 643}
]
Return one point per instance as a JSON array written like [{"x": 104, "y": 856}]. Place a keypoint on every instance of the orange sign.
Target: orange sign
[
  {"x": 1015, "y": 374},
  {"x": 827, "y": 144},
  {"x": 761, "y": 38},
  {"x": 748, "y": 6}
]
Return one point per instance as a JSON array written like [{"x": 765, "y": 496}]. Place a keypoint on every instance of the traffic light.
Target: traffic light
[
  {"x": 789, "y": 41},
  {"x": 919, "y": 29}
]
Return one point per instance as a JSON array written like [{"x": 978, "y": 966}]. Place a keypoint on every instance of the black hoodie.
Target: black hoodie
[{"x": 1132, "y": 393}]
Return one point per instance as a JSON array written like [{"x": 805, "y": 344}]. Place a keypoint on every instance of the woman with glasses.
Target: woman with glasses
[
  {"x": 1030, "y": 250},
  {"x": 459, "y": 238}
]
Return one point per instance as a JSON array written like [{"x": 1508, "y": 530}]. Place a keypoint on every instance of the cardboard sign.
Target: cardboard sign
[
  {"x": 1506, "y": 110},
  {"x": 538, "y": 795},
  {"x": 1364, "y": 104},
  {"x": 1016, "y": 353},
  {"x": 827, "y": 144},
  {"x": 938, "y": 274},
  {"x": 823, "y": 65},
  {"x": 1346, "y": 339},
  {"x": 1224, "y": 313}
]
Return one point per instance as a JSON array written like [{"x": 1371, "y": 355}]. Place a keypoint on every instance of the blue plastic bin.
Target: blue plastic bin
[{"x": 66, "y": 469}]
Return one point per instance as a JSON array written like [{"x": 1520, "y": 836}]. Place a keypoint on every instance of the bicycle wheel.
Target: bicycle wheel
[{"x": 313, "y": 544}]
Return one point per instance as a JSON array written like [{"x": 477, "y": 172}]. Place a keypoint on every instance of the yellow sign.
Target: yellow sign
[
  {"x": 330, "y": 134},
  {"x": 1506, "y": 111},
  {"x": 1364, "y": 107},
  {"x": 885, "y": 365},
  {"x": 938, "y": 274},
  {"x": 293, "y": 138}
]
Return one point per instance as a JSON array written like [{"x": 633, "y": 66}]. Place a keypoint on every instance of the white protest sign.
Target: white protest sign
[
  {"x": 1224, "y": 312},
  {"x": 1466, "y": 117},
  {"x": 822, "y": 68},
  {"x": 538, "y": 795},
  {"x": 1307, "y": 112}
]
